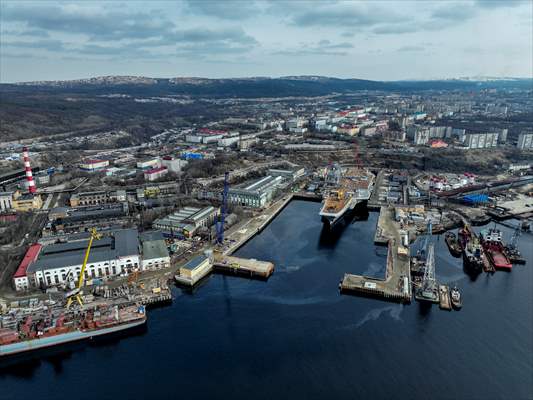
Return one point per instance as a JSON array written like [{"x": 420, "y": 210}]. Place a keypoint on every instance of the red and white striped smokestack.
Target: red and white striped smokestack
[{"x": 27, "y": 167}]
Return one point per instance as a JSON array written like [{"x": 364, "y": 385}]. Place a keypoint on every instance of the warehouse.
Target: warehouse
[
  {"x": 258, "y": 194},
  {"x": 185, "y": 222}
]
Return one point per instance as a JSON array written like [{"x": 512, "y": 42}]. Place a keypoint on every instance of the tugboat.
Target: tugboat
[
  {"x": 491, "y": 240},
  {"x": 456, "y": 298},
  {"x": 453, "y": 244}
]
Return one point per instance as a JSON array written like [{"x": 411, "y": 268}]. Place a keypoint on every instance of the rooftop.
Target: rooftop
[
  {"x": 153, "y": 245},
  {"x": 195, "y": 262},
  {"x": 121, "y": 243},
  {"x": 30, "y": 257},
  {"x": 155, "y": 170}
]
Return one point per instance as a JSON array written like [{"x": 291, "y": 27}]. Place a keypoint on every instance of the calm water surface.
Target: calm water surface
[{"x": 295, "y": 337}]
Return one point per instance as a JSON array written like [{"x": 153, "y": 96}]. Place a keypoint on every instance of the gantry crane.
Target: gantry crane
[{"x": 75, "y": 294}]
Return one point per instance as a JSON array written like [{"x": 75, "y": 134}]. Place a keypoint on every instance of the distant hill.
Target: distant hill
[
  {"x": 249, "y": 87},
  {"x": 83, "y": 106}
]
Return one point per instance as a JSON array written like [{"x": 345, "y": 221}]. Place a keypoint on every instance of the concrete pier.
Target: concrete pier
[
  {"x": 396, "y": 286},
  {"x": 243, "y": 266},
  {"x": 240, "y": 236}
]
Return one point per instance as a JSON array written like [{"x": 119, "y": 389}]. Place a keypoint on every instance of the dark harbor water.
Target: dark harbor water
[{"x": 294, "y": 336}]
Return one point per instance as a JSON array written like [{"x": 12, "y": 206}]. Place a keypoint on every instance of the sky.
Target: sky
[{"x": 378, "y": 40}]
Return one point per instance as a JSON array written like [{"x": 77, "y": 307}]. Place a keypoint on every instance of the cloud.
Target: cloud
[
  {"x": 28, "y": 32},
  {"x": 227, "y": 9},
  {"x": 95, "y": 22},
  {"x": 322, "y": 48},
  {"x": 46, "y": 44},
  {"x": 410, "y": 49},
  {"x": 453, "y": 12},
  {"x": 133, "y": 34},
  {"x": 500, "y": 3},
  {"x": 336, "y": 16}
]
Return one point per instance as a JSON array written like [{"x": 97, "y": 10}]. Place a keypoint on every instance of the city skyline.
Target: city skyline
[{"x": 378, "y": 41}]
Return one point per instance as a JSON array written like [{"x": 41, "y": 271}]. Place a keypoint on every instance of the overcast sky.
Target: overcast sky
[{"x": 382, "y": 40}]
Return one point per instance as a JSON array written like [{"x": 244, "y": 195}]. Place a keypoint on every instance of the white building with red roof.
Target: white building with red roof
[
  {"x": 20, "y": 278},
  {"x": 93, "y": 165}
]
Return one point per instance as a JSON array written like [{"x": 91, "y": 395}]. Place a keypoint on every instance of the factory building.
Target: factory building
[
  {"x": 93, "y": 165},
  {"x": 289, "y": 174},
  {"x": 96, "y": 197},
  {"x": 27, "y": 202},
  {"x": 154, "y": 251},
  {"x": 55, "y": 264},
  {"x": 257, "y": 194},
  {"x": 185, "y": 222},
  {"x": 205, "y": 136}
]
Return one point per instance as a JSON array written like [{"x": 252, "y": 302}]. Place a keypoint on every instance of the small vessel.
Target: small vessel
[
  {"x": 487, "y": 265},
  {"x": 511, "y": 249},
  {"x": 444, "y": 298},
  {"x": 471, "y": 247},
  {"x": 492, "y": 242},
  {"x": 453, "y": 244},
  {"x": 514, "y": 255},
  {"x": 344, "y": 190},
  {"x": 455, "y": 296},
  {"x": 34, "y": 332}
]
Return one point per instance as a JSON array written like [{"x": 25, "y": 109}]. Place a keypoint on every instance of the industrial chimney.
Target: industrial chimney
[{"x": 27, "y": 167}]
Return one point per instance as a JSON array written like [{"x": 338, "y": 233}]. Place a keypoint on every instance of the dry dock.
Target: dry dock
[{"x": 396, "y": 286}]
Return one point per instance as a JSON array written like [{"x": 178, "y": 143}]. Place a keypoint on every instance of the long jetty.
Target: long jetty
[
  {"x": 223, "y": 260},
  {"x": 396, "y": 286}
]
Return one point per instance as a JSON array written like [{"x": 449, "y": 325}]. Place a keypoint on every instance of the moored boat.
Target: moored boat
[
  {"x": 492, "y": 242},
  {"x": 344, "y": 190},
  {"x": 455, "y": 296},
  {"x": 453, "y": 244},
  {"x": 471, "y": 248},
  {"x": 46, "y": 332}
]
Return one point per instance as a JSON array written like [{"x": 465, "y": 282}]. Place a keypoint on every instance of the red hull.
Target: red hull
[{"x": 497, "y": 256}]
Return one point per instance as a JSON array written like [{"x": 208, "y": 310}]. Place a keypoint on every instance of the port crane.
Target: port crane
[
  {"x": 427, "y": 238},
  {"x": 513, "y": 244},
  {"x": 220, "y": 224},
  {"x": 428, "y": 287},
  {"x": 75, "y": 294}
]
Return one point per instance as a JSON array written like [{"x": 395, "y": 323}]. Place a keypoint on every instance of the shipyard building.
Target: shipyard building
[
  {"x": 118, "y": 252},
  {"x": 185, "y": 222},
  {"x": 256, "y": 195}
]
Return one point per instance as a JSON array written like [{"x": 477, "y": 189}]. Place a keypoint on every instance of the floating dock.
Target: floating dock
[
  {"x": 396, "y": 286},
  {"x": 445, "y": 302}
]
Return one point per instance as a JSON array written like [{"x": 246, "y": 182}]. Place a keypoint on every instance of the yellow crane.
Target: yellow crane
[{"x": 75, "y": 294}]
